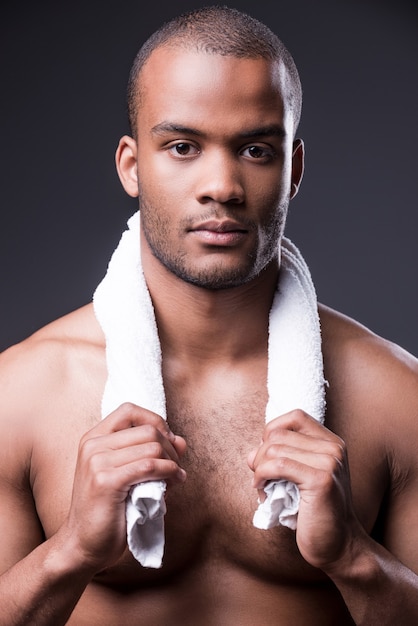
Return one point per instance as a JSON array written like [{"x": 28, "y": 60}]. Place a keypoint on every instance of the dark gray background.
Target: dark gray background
[{"x": 64, "y": 67}]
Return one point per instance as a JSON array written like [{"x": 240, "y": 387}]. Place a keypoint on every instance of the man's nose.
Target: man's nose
[{"x": 220, "y": 179}]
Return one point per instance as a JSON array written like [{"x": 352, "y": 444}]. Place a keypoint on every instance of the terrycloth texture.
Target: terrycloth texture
[
  {"x": 295, "y": 378},
  {"x": 124, "y": 310}
]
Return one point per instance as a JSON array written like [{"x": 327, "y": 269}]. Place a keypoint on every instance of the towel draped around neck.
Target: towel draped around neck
[{"x": 295, "y": 378}]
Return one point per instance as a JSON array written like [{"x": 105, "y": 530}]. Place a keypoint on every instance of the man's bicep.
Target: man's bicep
[
  {"x": 401, "y": 528},
  {"x": 399, "y": 421},
  {"x": 20, "y": 529}
]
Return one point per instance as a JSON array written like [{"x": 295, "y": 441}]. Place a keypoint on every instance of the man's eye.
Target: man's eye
[
  {"x": 257, "y": 152},
  {"x": 183, "y": 149}
]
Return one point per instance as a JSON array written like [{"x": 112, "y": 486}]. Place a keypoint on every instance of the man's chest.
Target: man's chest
[
  {"x": 209, "y": 517},
  {"x": 221, "y": 429},
  {"x": 211, "y": 513},
  {"x": 220, "y": 432}
]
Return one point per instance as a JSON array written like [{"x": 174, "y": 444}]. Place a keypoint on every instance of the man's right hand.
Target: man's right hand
[{"x": 129, "y": 446}]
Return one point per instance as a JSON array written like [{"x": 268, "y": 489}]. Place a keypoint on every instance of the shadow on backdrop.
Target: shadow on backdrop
[{"x": 64, "y": 72}]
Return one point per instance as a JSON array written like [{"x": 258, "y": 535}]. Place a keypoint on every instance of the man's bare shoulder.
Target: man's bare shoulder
[
  {"x": 350, "y": 346},
  {"x": 50, "y": 390},
  {"x": 51, "y": 363},
  {"x": 372, "y": 403},
  {"x": 78, "y": 326},
  {"x": 373, "y": 385}
]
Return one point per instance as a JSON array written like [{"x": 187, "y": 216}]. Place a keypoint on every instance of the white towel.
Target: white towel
[
  {"x": 295, "y": 377},
  {"x": 125, "y": 313}
]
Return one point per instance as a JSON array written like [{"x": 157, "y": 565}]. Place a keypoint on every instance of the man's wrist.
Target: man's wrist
[
  {"x": 359, "y": 565},
  {"x": 66, "y": 560}
]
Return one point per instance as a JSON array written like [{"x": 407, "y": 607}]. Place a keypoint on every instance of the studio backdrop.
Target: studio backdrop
[{"x": 64, "y": 68}]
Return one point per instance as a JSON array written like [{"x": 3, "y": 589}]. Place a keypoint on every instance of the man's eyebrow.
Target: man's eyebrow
[
  {"x": 273, "y": 130},
  {"x": 169, "y": 127}
]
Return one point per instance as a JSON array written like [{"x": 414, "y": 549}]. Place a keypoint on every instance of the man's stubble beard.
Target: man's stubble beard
[{"x": 218, "y": 276}]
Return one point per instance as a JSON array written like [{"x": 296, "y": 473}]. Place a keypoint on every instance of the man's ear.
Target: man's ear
[
  {"x": 298, "y": 164},
  {"x": 126, "y": 165}
]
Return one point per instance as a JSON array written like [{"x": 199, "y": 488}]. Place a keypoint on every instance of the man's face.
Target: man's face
[{"x": 214, "y": 162}]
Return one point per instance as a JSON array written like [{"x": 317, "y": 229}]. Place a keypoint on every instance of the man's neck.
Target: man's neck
[{"x": 202, "y": 325}]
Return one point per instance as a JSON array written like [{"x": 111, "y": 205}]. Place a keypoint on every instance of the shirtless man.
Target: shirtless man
[{"x": 213, "y": 133}]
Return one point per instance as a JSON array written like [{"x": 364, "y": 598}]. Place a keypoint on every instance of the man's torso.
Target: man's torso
[{"x": 218, "y": 568}]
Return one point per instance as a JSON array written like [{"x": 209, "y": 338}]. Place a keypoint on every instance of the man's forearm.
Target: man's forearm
[
  {"x": 377, "y": 589},
  {"x": 43, "y": 588}
]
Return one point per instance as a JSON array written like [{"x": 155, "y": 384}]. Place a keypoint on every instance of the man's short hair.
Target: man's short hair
[{"x": 216, "y": 30}]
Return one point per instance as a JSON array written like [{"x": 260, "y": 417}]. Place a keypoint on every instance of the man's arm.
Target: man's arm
[
  {"x": 379, "y": 581},
  {"x": 377, "y": 588},
  {"x": 42, "y": 580},
  {"x": 379, "y": 392},
  {"x": 43, "y": 587},
  {"x": 33, "y": 572}
]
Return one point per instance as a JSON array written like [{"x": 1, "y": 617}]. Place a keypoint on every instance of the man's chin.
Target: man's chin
[
  {"x": 220, "y": 279},
  {"x": 210, "y": 274}
]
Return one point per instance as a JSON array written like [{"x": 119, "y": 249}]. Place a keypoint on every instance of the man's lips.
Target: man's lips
[
  {"x": 220, "y": 232},
  {"x": 220, "y": 226}
]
